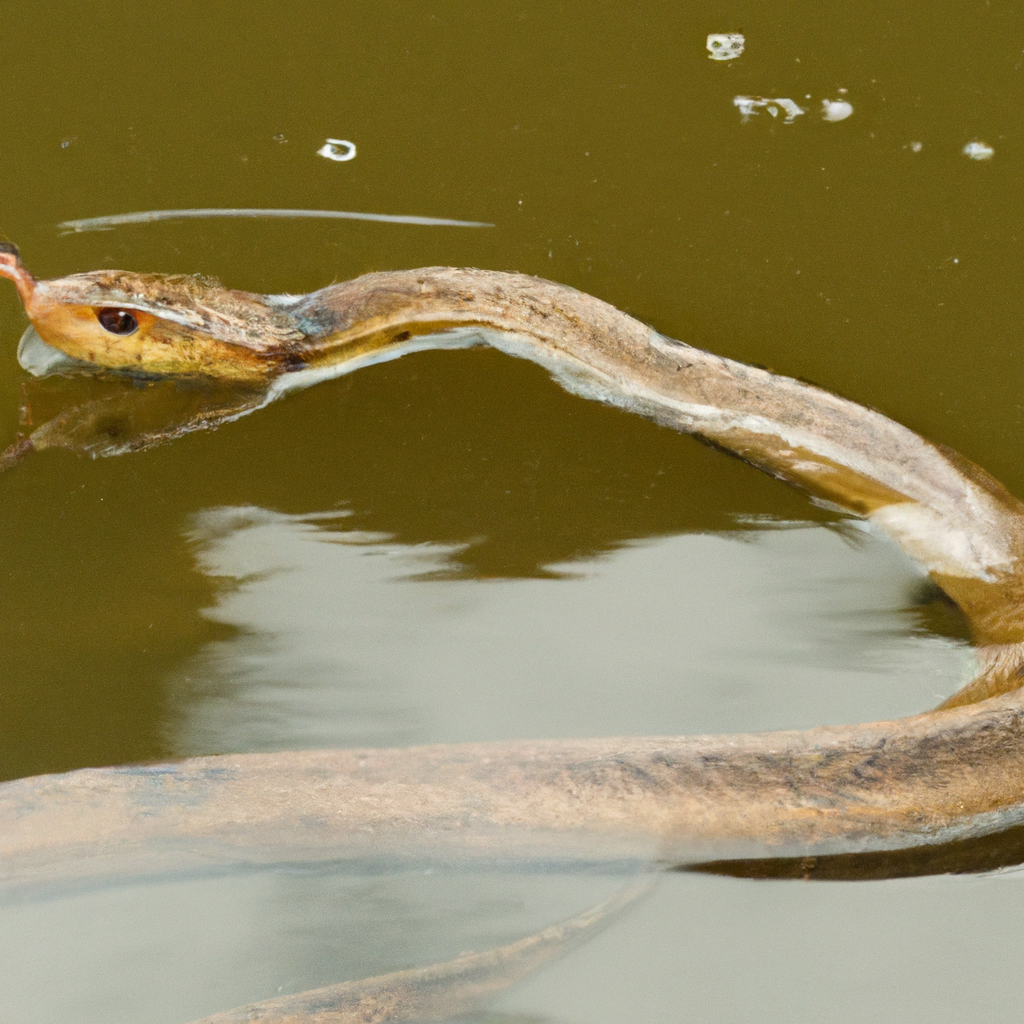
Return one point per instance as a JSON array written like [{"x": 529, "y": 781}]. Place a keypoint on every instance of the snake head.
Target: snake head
[{"x": 158, "y": 324}]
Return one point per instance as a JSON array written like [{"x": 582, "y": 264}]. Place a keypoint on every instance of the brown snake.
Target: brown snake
[{"x": 944, "y": 776}]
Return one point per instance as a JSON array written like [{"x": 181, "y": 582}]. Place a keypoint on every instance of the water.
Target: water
[{"x": 451, "y": 548}]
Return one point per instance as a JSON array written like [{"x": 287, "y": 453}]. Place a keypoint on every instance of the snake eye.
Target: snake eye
[{"x": 117, "y": 321}]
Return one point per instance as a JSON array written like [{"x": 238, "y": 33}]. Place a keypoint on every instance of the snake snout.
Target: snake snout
[{"x": 11, "y": 267}]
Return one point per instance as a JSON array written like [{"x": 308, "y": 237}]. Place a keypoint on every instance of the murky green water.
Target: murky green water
[{"x": 449, "y": 547}]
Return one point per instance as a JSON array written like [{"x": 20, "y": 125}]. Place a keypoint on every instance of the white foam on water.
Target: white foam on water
[
  {"x": 836, "y": 110},
  {"x": 749, "y": 106},
  {"x": 339, "y": 150},
  {"x": 978, "y": 151},
  {"x": 725, "y": 45}
]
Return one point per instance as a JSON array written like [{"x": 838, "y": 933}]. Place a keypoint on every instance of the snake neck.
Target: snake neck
[{"x": 945, "y": 512}]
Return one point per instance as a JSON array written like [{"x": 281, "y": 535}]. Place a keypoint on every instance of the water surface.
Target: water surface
[{"x": 449, "y": 547}]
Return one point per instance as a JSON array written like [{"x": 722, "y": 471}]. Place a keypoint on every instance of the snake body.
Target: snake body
[{"x": 945, "y": 775}]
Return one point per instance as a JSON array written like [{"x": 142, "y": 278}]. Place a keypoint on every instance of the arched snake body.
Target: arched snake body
[{"x": 945, "y": 775}]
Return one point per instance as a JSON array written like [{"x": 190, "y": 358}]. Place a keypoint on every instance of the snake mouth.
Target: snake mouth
[{"x": 43, "y": 360}]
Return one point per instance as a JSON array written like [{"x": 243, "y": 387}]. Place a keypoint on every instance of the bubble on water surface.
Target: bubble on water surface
[{"x": 338, "y": 149}]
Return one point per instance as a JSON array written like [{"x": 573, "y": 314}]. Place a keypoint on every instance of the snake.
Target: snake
[{"x": 952, "y": 774}]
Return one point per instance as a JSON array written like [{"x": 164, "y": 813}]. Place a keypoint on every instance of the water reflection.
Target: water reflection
[
  {"x": 102, "y": 598},
  {"x": 939, "y": 950},
  {"x": 344, "y": 638},
  {"x": 177, "y": 950},
  {"x": 705, "y": 949}
]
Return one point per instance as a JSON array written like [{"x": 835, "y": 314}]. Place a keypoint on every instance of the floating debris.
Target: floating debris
[
  {"x": 725, "y": 45},
  {"x": 749, "y": 106},
  {"x": 915, "y": 147},
  {"x": 152, "y": 216},
  {"x": 978, "y": 151},
  {"x": 338, "y": 149},
  {"x": 836, "y": 110}
]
